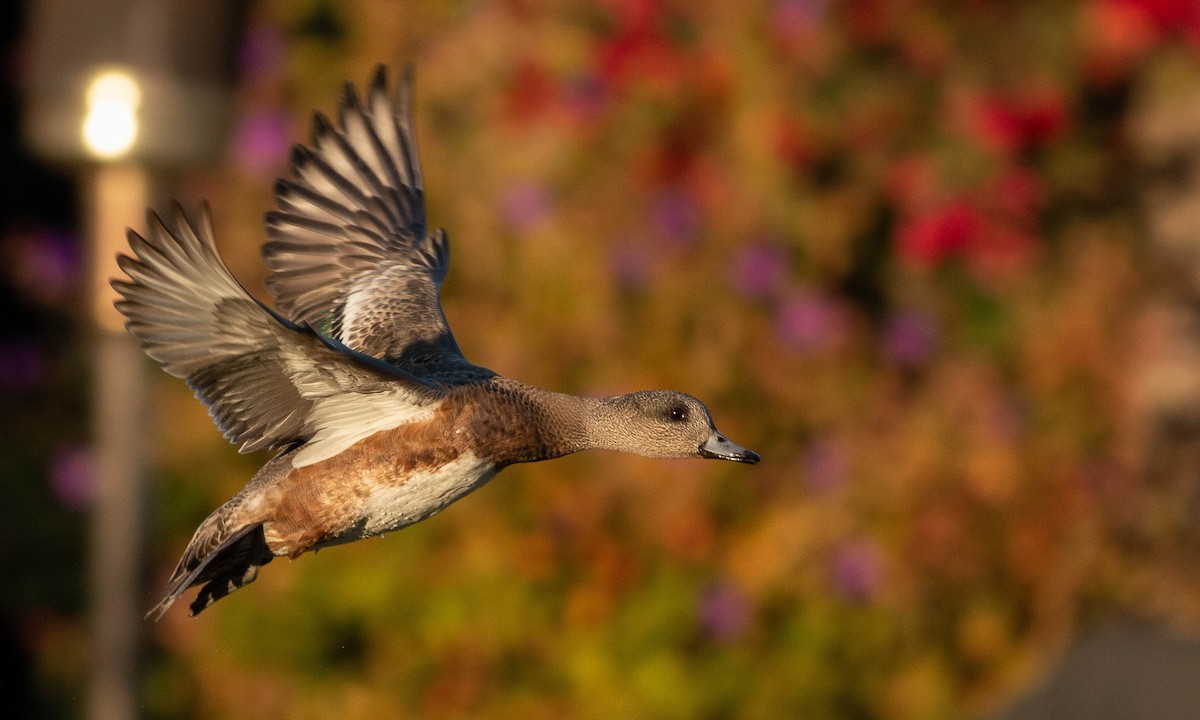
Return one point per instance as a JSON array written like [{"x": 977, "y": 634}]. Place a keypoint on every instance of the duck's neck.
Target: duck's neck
[
  {"x": 557, "y": 424},
  {"x": 571, "y": 423}
]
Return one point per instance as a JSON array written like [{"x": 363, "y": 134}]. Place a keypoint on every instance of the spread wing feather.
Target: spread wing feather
[
  {"x": 349, "y": 250},
  {"x": 267, "y": 382}
]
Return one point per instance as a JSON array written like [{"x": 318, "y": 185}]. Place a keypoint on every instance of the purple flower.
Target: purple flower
[
  {"x": 525, "y": 205},
  {"x": 261, "y": 142},
  {"x": 811, "y": 322},
  {"x": 826, "y": 464},
  {"x": 587, "y": 96},
  {"x": 73, "y": 476},
  {"x": 22, "y": 367},
  {"x": 263, "y": 50},
  {"x": 676, "y": 216},
  {"x": 856, "y": 568},
  {"x": 723, "y": 611},
  {"x": 631, "y": 266},
  {"x": 758, "y": 270},
  {"x": 47, "y": 265},
  {"x": 910, "y": 339}
]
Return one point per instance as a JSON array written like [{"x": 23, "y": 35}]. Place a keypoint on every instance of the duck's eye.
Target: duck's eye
[{"x": 678, "y": 413}]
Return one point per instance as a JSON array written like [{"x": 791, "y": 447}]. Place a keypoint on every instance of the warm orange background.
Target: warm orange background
[{"x": 905, "y": 250}]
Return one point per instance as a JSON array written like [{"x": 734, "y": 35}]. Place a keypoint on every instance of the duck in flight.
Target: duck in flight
[{"x": 354, "y": 378}]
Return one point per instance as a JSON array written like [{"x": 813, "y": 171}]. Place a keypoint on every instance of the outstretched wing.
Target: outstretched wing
[
  {"x": 267, "y": 382},
  {"x": 349, "y": 251}
]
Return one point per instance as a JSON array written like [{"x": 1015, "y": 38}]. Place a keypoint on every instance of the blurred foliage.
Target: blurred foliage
[{"x": 894, "y": 246}]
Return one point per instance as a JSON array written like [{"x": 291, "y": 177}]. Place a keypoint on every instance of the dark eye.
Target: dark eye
[{"x": 679, "y": 413}]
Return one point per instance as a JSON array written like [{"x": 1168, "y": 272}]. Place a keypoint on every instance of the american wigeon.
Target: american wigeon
[{"x": 355, "y": 377}]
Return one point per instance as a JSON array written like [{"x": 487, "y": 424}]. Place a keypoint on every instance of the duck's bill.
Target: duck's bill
[{"x": 718, "y": 447}]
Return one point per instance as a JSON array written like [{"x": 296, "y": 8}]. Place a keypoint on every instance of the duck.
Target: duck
[{"x": 353, "y": 378}]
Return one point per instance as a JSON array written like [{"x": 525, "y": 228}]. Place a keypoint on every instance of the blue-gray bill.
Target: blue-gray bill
[{"x": 719, "y": 447}]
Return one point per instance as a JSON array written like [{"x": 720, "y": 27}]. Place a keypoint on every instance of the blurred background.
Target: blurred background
[{"x": 938, "y": 262}]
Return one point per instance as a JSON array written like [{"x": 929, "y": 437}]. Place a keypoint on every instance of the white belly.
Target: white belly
[{"x": 391, "y": 506}]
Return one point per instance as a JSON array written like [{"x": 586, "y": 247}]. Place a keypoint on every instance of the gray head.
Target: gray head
[{"x": 665, "y": 424}]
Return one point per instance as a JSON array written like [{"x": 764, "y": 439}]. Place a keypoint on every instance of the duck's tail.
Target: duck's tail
[{"x": 219, "y": 558}]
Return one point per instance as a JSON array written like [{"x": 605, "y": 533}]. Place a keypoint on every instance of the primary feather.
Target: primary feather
[{"x": 349, "y": 251}]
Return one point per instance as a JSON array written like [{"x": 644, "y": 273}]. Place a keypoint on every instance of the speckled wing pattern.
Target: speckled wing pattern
[
  {"x": 349, "y": 251},
  {"x": 267, "y": 382}
]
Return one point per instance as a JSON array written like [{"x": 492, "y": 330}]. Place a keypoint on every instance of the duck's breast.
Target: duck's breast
[
  {"x": 380, "y": 484},
  {"x": 390, "y": 503}
]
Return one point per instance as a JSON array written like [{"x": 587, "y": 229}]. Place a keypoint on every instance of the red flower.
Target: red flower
[
  {"x": 1117, "y": 33},
  {"x": 637, "y": 52},
  {"x": 1016, "y": 195},
  {"x": 992, "y": 230},
  {"x": 870, "y": 21},
  {"x": 792, "y": 143},
  {"x": 639, "y": 49},
  {"x": 531, "y": 92},
  {"x": 1001, "y": 253},
  {"x": 1165, "y": 15},
  {"x": 1017, "y": 124},
  {"x": 927, "y": 240}
]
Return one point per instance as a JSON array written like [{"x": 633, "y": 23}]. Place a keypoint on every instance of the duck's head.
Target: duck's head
[{"x": 668, "y": 424}]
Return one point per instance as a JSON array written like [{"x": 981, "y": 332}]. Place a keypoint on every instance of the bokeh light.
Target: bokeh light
[{"x": 110, "y": 126}]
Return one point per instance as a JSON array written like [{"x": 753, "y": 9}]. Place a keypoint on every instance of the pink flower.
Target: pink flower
[
  {"x": 586, "y": 98},
  {"x": 826, "y": 464},
  {"x": 632, "y": 266},
  {"x": 723, "y": 611},
  {"x": 264, "y": 50},
  {"x": 261, "y": 142},
  {"x": 676, "y": 216},
  {"x": 758, "y": 270},
  {"x": 811, "y": 323},
  {"x": 73, "y": 476},
  {"x": 797, "y": 17},
  {"x": 794, "y": 24},
  {"x": 525, "y": 205},
  {"x": 856, "y": 567},
  {"x": 910, "y": 339}
]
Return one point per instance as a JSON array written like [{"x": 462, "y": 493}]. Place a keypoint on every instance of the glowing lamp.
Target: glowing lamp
[{"x": 110, "y": 124}]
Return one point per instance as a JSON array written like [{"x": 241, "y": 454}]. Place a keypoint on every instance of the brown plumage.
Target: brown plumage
[{"x": 379, "y": 419}]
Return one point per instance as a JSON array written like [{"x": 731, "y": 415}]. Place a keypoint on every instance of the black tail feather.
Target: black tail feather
[{"x": 230, "y": 565}]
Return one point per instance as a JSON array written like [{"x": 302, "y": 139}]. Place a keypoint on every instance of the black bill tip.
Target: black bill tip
[{"x": 718, "y": 447}]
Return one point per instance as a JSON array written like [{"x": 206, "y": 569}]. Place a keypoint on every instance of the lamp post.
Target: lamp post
[
  {"x": 117, "y": 192},
  {"x": 121, "y": 89}
]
